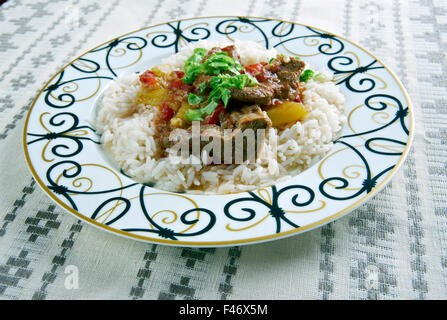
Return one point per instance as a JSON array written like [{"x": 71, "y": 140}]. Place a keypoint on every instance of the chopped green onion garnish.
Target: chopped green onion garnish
[
  {"x": 197, "y": 114},
  {"x": 194, "y": 99},
  {"x": 213, "y": 65},
  {"x": 219, "y": 83},
  {"x": 192, "y": 65},
  {"x": 220, "y": 90},
  {"x": 306, "y": 75}
]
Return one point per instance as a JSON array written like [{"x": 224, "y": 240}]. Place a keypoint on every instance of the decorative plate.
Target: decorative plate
[{"x": 63, "y": 152}]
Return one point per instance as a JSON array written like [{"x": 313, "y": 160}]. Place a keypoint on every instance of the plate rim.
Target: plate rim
[{"x": 225, "y": 243}]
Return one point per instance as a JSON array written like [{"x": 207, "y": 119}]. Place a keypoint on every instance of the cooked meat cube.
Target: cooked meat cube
[
  {"x": 163, "y": 132},
  {"x": 288, "y": 77},
  {"x": 235, "y": 145},
  {"x": 289, "y": 64},
  {"x": 211, "y": 52},
  {"x": 186, "y": 136},
  {"x": 282, "y": 83},
  {"x": 292, "y": 65},
  {"x": 188, "y": 142},
  {"x": 247, "y": 117},
  {"x": 288, "y": 73},
  {"x": 232, "y": 52},
  {"x": 261, "y": 94},
  {"x": 286, "y": 91},
  {"x": 200, "y": 79}
]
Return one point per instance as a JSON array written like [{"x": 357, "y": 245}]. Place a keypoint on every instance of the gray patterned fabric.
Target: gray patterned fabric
[{"x": 392, "y": 247}]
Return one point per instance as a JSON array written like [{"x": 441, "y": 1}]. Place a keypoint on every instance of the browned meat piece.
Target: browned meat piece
[
  {"x": 200, "y": 78},
  {"x": 246, "y": 144},
  {"x": 211, "y": 52},
  {"x": 288, "y": 73},
  {"x": 288, "y": 77},
  {"x": 163, "y": 129},
  {"x": 292, "y": 65},
  {"x": 261, "y": 94},
  {"x": 186, "y": 142},
  {"x": 226, "y": 146},
  {"x": 281, "y": 83},
  {"x": 286, "y": 68},
  {"x": 286, "y": 91},
  {"x": 231, "y": 50},
  {"x": 247, "y": 117}
]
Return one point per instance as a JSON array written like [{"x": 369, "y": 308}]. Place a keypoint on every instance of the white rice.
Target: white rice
[{"x": 128, "y": 134}]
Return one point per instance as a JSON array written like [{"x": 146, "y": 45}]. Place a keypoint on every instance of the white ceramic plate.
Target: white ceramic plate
[{"x": 65, "y": 157}]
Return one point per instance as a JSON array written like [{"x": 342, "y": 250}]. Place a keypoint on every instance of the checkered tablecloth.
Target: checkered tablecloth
[{"x": 392, "y": 247}]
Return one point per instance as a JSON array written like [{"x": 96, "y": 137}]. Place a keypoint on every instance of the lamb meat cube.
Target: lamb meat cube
[
  {"x": 237, "y": 141},
  {"x": 261, "y": 94},
  {"x": 247, "y": 117}
]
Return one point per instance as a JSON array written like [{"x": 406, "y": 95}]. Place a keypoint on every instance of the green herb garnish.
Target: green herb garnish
[
  {"x": 192, "y": 65},
  {"x": 306, "y": 75},
  {"x": 220, "y": 83},
  {"x": 202, "y": 87},
  {"x": 197, "y": 114},
  {"x": 220, "y": 90},
  {"x": 194, "y": 99},
  {"x": 213, "y": 65},
  {"x": 220, "y": 61}
]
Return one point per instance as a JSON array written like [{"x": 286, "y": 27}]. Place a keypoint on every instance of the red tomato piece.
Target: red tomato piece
[
  {"x": 148, "y": 77},
  {"x": 276, "y": 101},
  {"x": 258, "y": 71},
  {"x": 263, "y": 76},
  {"x": 227, "y": 48},
  {"x": 254, "y": 69},
  {"x": 214, "y": 117},
  {"x": 179, "y": 74},
  {"x": 166, "y": 112},
  {"x": 179, "y": 84}
]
